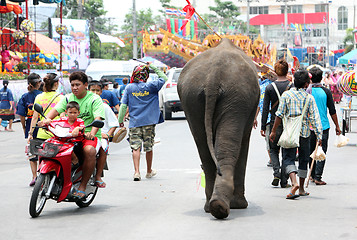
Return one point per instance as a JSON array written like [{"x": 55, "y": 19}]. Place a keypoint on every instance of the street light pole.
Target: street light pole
[
  {"x": 135, "y": 33},
  {"x": 248, "y": 10},
  {"x": 286, "y": 24},
  {"x": 327, "y": 33}
]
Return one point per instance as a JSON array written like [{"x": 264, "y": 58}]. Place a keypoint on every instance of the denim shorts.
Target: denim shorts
[{"x": 140, "y": 135}]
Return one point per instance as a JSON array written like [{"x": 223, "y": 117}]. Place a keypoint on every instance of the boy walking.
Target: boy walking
[
  {"x": 291, "y": 105},
  {"x": 324, "y": 100}
]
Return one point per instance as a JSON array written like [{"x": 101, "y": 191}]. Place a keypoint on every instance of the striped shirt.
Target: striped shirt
[{"x": 291, "y": 105}]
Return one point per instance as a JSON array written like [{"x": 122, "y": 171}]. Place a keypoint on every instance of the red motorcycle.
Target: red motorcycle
[{"x": 58, "y": 177}]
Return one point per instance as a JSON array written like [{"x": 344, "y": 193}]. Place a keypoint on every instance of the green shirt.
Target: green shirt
[{"x": 90, "y": 107}]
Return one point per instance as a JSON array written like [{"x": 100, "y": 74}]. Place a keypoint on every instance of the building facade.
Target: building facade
[{"x": 313, "y": 23}]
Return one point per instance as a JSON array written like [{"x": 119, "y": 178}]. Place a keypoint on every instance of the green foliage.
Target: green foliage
[
  {"x": 145, "y": 20},
  {"x": 166, "y": 4},
  {"x": 348, "y": 41},
  {"x": 225, "y": 9}
]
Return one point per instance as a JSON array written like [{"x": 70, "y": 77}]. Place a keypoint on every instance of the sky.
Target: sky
[{"x": 119, "y": 8}]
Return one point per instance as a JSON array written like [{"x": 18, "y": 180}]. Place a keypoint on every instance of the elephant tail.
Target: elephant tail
[{"x": 211, "y": 100}]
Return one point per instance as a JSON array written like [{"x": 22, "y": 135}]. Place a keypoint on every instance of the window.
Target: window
[
  {"x": 321, "y": 8},
  {"x": 316, "y": 32},
  {"x": 342, "y": 16},
  {"x": 259, "y": 10},
  {"x": 292, "y": 9}
]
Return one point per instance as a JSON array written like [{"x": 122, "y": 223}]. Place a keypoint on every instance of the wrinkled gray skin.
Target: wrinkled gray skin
[{"x": 219, "y": 93}]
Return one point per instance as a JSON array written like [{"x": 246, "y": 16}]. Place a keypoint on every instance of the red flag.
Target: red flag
[{"x": 189, "y": 12}]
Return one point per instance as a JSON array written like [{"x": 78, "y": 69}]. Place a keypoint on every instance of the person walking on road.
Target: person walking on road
[
  {"x": 291, "y": 105},
  {"x": 25, "y": 110},
  {"x": 263, "y": 84},
  {"x": 324, "y": 100},
  {"x": 143, "y": 101},
  {"x": 6, "y": 105},
  {"x": 271, "y": 102}
]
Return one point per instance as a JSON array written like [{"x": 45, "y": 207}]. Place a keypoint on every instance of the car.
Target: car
[{"x": 169, "y": 100}]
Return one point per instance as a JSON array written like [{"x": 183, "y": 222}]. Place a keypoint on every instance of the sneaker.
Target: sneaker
[
  {"x": 285, "y": 186},
  {"x": 275, "y": 181},
  {"x": 150, "y": 175},
  {"x": 137, "y": 177},
  {"x": 269, "y": 164}
]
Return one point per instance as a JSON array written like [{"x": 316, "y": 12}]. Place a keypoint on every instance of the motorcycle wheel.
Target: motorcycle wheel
[
  {"x": 38, "y": 197},
  {"x": 89, "y": 199}
]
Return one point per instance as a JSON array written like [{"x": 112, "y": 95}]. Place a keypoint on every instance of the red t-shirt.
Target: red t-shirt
[
  {"x": 78, "y": 123},
  {"x": 5, "y": 56}
]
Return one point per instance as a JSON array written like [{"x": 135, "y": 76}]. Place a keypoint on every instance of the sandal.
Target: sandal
[
  {"x": 100, "y": 184},
  {"x": 291, "y": 196},
  {"x": 304, "y": 194},
  {"x": 77, "y": 193}
]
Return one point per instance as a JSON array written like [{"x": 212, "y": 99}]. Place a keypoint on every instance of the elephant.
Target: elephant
[{"x": 219, "y": 93}]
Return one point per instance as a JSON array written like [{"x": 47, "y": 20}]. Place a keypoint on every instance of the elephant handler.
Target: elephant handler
[
  {"x": 143, "y": 101},
  {"x": 291, "y": 105}
]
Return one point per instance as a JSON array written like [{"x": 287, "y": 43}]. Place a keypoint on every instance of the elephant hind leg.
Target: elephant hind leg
[
  {"x": 239, "y": 201},
  {"x": 223, "y": 193},
  {"x": 219, "y": 209}
]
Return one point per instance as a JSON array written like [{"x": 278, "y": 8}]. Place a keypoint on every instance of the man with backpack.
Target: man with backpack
[{"x": 271, "y": 102}]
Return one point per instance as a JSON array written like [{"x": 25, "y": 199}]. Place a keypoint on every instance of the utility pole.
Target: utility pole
[
  {"x": 286, "y": 25},
  {"x": 80, "y": 9},
  {"x": 327, "y": 33},
  {"x": 248, "y": 10},
  {"x": 135, "y": 33}
]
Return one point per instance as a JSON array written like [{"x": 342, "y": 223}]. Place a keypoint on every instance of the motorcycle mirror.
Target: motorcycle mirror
[
  {"x": 39, "y": 109},
  {"x": 96, "y": 123}
]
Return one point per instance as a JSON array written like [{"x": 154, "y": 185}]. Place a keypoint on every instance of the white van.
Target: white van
[{"x": 112, "y": 70}]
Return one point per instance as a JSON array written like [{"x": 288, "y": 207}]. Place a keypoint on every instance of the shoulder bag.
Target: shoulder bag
[{"x": 292, "y": 127}]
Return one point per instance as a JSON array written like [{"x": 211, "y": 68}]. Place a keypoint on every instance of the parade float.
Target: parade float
[{"x": 176, "y": 51}]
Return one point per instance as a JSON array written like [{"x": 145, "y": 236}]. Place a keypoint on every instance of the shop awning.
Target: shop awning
[{"x": 37, "y": 43}]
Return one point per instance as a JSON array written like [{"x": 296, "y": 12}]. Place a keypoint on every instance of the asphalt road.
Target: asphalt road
[{"x": 170, "y": 206}]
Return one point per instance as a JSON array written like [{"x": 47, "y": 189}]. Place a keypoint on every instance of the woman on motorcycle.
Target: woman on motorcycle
[{"x": 48, "y": 100}]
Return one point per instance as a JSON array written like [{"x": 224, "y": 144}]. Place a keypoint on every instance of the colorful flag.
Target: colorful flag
[{"x": 189, "y": 12}]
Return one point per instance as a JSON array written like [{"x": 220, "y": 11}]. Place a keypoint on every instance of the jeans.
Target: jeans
[
  {"x": 318, "y": 167},
  {"x": 289, "y": 156},
  {"x": 278, "y": 171}
]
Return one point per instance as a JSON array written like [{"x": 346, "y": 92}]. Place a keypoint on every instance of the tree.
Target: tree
[
  {"x": 145, "y": 20},
  {"x": 348, "y": 41},
  {"x": 225, "y": 10}
]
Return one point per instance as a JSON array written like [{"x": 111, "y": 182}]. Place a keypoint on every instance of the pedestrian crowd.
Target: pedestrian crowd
[
  {"x": 90, "y": 101},
  {"x": 310, "y": 95}
]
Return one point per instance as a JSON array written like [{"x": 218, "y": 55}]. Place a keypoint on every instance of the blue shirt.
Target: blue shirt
[
  {"x": 263, "y": 85},
  {"x": 143, "y": 102},
  {"x": 24, "y": 106},
  {"x": 116, "y": 92},
  {"x": 121, "y": 91},
  {"x": 321, "y": 102},
  {"x": 109, "y": 98},
  {"x": 5, "y": 98}
]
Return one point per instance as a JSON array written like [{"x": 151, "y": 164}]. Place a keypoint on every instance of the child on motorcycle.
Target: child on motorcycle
[{"x": 110, "y": 122}]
